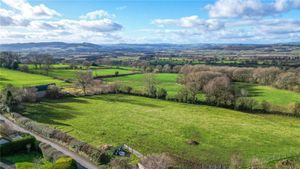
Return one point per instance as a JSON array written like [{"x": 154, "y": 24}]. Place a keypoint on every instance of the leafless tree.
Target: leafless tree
[
  {"x": 84, "y": 79},
  {"x": 150, "y": 84},
  {"x": 47, "y": 63},
  {"x": 219, "y": 91}
]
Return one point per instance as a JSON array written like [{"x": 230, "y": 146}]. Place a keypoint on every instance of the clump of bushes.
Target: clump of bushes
[
  {"x": 53, "y": 92},
  {"x": 65, "y": 163},
  {"x": 245, "y": 103},
  {"x": 29, "y": 95},
  {"x": 50, "y": 153},
  {"x": 294, "y": 108}
]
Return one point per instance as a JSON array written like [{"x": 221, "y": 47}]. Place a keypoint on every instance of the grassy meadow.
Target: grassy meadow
[
  {"x": 156, "y": 126},
  {"x": 21, "y": 79},
  {"x": 70, "y": 74},
  {"x": 165, "y": 80},
  {"x": 258, "y": 92},
  {"x": 275, "y": 96}
]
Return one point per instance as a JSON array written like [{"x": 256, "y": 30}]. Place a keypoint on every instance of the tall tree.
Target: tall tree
[
  {"x": 9, "y": 60},
  {"x": 219, "y": 91},
  {"x": 47, "y": 63},
  {"x": 84, "y": 80},
  {"x": 150, "y": 84}
]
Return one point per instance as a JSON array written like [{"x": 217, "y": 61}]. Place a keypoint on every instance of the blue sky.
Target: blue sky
[{"x": 152, "y": 21}]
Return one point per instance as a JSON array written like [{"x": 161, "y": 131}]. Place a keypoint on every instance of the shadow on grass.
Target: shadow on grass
[
  {"x": 124, "y": 99},
  {"x": 4, "y": 79},
  {"x": 52, "y": 111},
  {"x": 252, "y": 91}
]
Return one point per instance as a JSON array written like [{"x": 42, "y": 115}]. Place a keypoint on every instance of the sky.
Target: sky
[{"x": 150, "y": 21}]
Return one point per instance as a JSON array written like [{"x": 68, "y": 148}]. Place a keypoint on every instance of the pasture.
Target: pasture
[
  {"x": 21, "y": 79},
  {"x": 164, "y": 80},
  {"x": 258, "y": 92},
  {"x": 156, "y": 126},
  {"x": 70, "y": 74},
  {"x": 275, "y": 96}
]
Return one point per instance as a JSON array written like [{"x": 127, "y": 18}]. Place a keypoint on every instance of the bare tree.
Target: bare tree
[
  {"x": 150, "y": 84},
  {"x": 10, "y": 98},
  {"x": 9, "y": 60},
  {"x": 84, "y": 80},
  {"x": 166, "y": 68},
  {"x": 35, "y": 59},
  {"x": 87, "y": 64},
  {"x": 219, "y": 91},
  {"x": 47, "y": 61}
]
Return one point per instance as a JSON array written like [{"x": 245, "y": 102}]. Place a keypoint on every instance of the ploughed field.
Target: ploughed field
[
  {"x": 258, "y": 92},
  {"x": 156, "y": 126},
  {"x": 21, "y": 79}
]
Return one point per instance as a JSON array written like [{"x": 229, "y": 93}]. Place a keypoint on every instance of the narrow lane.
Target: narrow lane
[{"x": 84, "y": 162}]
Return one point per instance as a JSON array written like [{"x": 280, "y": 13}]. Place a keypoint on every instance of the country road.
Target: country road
[{"x": 82, "y": 161}]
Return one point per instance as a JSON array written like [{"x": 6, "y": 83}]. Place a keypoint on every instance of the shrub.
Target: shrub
[
  {"x": 17, "y": 145},
  {"x": 266, "y": 106},
  {"x": 50, "y": 153},
  {"x": 24, "y": 68},
  {"x": 245, "y": 103},
  {"x": 161, "y": 93},
  {"x": 65, "y": 163},
  {"x": 294, "y": 108},
  {"x": 10, "y": 98},
  {"x": 29, "y": 95},
  {"x": 126, "y": 89},
  {"x": 53, "y": 92}
]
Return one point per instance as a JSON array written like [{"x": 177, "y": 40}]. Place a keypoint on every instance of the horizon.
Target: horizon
[
  {"x": 151, "y": 22},
  {"x": 296, "y": 42}
]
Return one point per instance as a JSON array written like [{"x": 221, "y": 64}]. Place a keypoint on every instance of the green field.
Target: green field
[
  {"x": 258, "y": 92},
  {"x": 71, "y": 73},
  {"x": 155, "y": 126},
  {"x": 275, "y": 96},
  {"x": 21, "y": 79},
  {"x": 56, "y": 66},
  {"x": 165, "y": 80}
]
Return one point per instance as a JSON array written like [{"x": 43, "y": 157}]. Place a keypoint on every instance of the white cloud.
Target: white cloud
[
  {"x": 250, "y": 8},
  {"x": 232, "y": 30},
  {"x": 29, "y": 11},
  {"x": 9, "y": 18},
  {"x": 103, "y": 25},
  {"x": 24, "y": 22},
  {"x": 191, "y": 22},
  {"x": 98, "y": 14}
]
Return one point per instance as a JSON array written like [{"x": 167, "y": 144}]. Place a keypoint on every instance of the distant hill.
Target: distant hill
[{"x": 78, "y": 48}]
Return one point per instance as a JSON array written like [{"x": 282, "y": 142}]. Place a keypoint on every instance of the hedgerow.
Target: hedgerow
[
  {"x": 17, "y": 145},
  {"x": 96, "y": 155}
]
